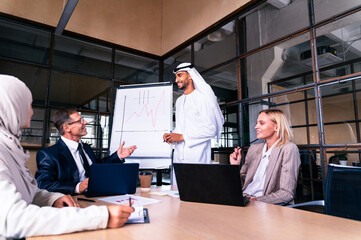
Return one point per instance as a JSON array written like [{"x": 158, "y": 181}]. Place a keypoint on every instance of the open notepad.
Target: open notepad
[{"x": 140, "y": 215}]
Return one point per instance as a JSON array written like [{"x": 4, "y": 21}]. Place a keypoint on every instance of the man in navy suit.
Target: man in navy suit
[{"x": 64, "y": 166}]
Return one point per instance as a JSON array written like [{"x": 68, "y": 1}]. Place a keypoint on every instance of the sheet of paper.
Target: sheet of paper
[
  {"x": 159, "y": 193},
  {"x": 137, "y": 216},
  {"x": 123, "y": 199},
  {"x": 174, "y": 194}
]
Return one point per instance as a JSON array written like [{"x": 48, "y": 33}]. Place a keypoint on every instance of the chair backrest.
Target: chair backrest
[{"x": 343, "y": 191}]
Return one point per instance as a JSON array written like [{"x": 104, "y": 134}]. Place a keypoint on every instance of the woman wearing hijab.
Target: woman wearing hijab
[
  {"x": 26, "y": 210},
  {"x": 270, "y": 171}
]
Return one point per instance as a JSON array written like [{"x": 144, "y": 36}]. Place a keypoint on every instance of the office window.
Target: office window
[
  {"x": 131, "y": 69},
  {"x": 33, "y": 136},
  {"x": 299, "y": 110},
  {"x": 173, "y": 61},
  {"x": 53, "y": 132},
  {"x": 24, "y": 42},
  {"x": 339, "y": 47},
  {"x": 339, "y": 113},
  {"x": 325, "y": 9},
  {"x": 305, "y": 134},
  {"x": 35, "y": 78},
  {"x": 82, "y": 92},
  {"x": 314, "y": 139},
  {"x": 309, "y": 185},
  {"x": 278, "y": 68},
  {"x": 224, "y": 82},
  {"x": 230, "y": 133},
  {"x": 97, "y": 129},
  {"x": 217, "y": 47},
  {"x": 350, "y": 157},
  {"x": 271, "y": 22},
  {"x": 82, "y": 57}
]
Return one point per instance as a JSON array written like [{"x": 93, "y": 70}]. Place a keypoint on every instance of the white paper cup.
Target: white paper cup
[{"x": 343, "y": 162}]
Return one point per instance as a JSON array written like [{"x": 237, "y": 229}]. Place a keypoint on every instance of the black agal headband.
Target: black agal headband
[{"x": 180, "y": 68}]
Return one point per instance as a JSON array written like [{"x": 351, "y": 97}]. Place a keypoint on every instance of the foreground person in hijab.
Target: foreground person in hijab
[
  {"x": 198, "y": 118},
  {"x": 26, "y": 210}
]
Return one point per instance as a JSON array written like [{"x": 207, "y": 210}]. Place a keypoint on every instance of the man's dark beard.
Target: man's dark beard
[{"x": 183, "y": 86}]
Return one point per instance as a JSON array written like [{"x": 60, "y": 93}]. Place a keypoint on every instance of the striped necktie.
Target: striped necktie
[{"x": 84, "y": 160}]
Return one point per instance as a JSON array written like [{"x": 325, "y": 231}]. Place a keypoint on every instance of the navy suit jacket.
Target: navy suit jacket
[{"x": 57, "y": 170}]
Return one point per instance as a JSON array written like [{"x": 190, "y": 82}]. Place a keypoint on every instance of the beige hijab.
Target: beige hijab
[{"x": 15, "y": 101}]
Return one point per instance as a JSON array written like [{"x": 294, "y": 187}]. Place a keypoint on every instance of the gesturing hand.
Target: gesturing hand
[{"x": 125, "y": 152}]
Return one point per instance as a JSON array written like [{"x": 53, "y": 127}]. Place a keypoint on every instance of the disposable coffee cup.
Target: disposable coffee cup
[
  {"x": 343, "y": 162},
  {"x": 145, "y": 180}
]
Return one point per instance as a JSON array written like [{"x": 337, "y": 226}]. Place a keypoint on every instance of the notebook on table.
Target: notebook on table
[
  {"x": 210, "y": 183},
  {"x": 112, "y": 179}
]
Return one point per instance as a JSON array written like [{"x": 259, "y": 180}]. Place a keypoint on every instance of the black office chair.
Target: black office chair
[{"x": 342, "y": 193}]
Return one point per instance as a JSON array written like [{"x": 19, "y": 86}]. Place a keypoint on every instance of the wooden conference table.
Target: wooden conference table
[{"x": 174, "y": 219}]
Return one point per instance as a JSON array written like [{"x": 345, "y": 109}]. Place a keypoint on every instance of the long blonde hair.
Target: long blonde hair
[{"x": 284, "y": 130}]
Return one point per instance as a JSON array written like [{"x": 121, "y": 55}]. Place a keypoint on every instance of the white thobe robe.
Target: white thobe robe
[{"x": 197, "y": 122}]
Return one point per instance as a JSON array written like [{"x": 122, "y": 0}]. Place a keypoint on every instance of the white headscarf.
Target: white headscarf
[
  {"x": 15, "y": 101},
  {"x": 206, "y": 90}
]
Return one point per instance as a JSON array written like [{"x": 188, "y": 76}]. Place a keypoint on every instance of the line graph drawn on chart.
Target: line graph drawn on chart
[{"x": 147, "y": 114}]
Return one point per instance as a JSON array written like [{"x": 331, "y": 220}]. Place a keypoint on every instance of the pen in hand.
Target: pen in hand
[
  {"x": 169, "y": 132},
  {"x": 130, "y": 202}
]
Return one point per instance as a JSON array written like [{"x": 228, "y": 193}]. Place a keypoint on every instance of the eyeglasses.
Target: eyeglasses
[{"x": 81, "y": 120}]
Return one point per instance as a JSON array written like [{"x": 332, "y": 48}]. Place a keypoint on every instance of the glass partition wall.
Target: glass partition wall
[
  {"x": 303, "y": 57},
  {"x": 66, "y": 71}
]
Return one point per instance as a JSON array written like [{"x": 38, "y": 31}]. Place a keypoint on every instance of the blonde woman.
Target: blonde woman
[
  {"x": 25, "y": 209},
  {"x": 270, "y": 171}
]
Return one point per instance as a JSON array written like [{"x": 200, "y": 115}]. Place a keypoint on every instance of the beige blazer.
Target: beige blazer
[{"x": 281, "y": 174}]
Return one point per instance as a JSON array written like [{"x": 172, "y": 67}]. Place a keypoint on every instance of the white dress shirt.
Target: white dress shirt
[
  {"x": 73, "y": 148},
  {"x": 255, "y": 188}
]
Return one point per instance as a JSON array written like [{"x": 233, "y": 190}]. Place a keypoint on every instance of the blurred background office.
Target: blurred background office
[{"x": 302, "y": 56}]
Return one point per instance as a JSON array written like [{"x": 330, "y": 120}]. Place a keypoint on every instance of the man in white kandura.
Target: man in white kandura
[{"x": 198, "y": 118}]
